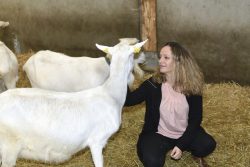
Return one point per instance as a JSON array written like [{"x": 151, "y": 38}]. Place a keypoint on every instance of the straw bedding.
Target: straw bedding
[{"x": 226, "y": 117}]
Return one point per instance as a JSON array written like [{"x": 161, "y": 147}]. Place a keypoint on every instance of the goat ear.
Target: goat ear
[
  {"x": 103, "y": 48},
  {"x": 137, "y": 47}
]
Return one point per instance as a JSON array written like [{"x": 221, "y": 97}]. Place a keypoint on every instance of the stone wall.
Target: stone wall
[{"x": 216, "y": 31}]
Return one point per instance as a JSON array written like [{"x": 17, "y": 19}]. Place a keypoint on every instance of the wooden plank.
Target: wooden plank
[{"x": 148, "y": 24}]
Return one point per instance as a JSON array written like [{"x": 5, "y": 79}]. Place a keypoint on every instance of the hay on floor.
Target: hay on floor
[{"x": 226, "y": 117}]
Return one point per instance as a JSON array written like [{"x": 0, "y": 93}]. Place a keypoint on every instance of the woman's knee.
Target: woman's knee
[
  {"x": 205, "y": 148},
  {"x": 149, "y": 159},
  {"x": 153, "y": 162},
  {"x": 149, "y": 153}
]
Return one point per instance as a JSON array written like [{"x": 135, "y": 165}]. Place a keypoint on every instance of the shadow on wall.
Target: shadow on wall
[{"x": 71, "y": 27}]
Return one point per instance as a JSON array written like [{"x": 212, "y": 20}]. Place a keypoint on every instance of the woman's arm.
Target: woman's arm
[{"x": 137, "y": 96}]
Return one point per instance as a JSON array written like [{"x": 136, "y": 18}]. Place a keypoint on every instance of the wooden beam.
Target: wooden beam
[{"x": 148, "y": 24}]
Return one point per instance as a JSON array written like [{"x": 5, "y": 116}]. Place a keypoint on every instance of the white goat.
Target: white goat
[
  {"x": 56, "y": 71},
  {"x": 8, "y": 67},
  {"x": 52, "y": 126}
]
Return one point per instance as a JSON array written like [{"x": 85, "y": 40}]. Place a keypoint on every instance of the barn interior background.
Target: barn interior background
[{"x": 217, "y": 32}]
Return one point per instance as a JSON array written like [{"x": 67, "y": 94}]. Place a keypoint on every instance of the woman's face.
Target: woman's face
[{"x": 166, "y": 60}]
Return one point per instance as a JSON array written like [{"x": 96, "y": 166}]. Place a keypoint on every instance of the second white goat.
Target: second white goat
[{"x": 56, "y": 71}]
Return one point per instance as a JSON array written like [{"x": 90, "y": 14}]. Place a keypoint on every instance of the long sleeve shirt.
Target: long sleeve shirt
[{"x": 150, "y": 92}]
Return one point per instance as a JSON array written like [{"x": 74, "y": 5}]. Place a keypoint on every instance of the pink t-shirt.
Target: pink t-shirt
[{"x": 173, "y": 113}]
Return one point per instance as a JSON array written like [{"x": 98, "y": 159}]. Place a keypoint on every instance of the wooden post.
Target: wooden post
[{"x": 148, "y": 24}]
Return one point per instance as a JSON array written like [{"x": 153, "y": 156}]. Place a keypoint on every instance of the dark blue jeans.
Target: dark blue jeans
[{"x": 153, "y": 147}]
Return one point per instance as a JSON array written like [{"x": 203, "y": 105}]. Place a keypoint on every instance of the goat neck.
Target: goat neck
[{"x": 120, "y": 69}]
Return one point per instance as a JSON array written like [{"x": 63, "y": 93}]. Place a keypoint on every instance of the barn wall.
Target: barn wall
[
  {"x": 216, "y": 31},
  {"x": 71, "y": 26}
]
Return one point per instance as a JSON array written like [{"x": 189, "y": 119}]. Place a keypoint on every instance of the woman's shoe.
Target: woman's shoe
[{"x": 201, "y": 162}]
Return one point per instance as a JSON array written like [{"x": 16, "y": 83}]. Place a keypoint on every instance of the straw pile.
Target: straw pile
[{"x": 226, "y": 117}]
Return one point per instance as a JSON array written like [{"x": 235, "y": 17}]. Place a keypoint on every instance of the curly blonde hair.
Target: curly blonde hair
[{"x": 188, "y": 76}]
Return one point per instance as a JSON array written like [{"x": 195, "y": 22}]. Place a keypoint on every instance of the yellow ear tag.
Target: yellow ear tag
[
  {"x": 106, "y": 50},
  {"x": 137, "y": 50}
]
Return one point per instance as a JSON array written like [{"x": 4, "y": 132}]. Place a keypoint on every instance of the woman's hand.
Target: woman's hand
[{"x": 176, "y": 153}]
